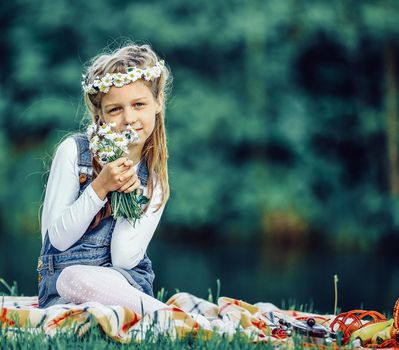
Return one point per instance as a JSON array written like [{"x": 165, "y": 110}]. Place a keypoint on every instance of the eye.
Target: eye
[
  {"x": 139, "y": 104},
  {"x": 113, "y": 109}
]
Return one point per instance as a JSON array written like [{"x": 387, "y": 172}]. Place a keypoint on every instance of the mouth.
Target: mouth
[{"x": 138, "y": 129}]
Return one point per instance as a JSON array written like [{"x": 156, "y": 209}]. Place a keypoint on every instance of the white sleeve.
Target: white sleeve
[
  {"x": 128, "y": 243},
  {"x": 65, "y": 216}
]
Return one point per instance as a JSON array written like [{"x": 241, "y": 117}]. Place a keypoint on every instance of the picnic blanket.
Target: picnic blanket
[{"x": 185, "y": 314}]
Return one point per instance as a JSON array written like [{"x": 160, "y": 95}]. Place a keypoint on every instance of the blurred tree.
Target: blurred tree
[{"x": 277, "y": 107}]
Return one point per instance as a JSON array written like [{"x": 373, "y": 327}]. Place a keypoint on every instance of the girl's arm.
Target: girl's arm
[
  {"x": 65, "y": 216},
  {"x": 129, "y": 243}
]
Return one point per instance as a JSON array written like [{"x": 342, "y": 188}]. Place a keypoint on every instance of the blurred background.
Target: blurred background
[{"x": 283, "y": 140}]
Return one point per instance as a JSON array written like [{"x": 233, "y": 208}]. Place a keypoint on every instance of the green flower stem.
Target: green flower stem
[{"x": 126, "y": 205}]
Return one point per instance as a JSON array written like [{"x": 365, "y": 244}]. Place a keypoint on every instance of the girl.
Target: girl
[{"x": 86, "y": 254}]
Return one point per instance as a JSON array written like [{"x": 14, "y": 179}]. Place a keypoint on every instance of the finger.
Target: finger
[
  {"x": 120, "y": 161},
  {"x": 121, "y": 182},
  {"x": 129, "y": 184},
  {"x": 127, "y": 176},
  {"x": 129, "y": 162},
  {"x": 126, "y": 164},
  {"x": 135, "y": 186},
  {"x": 129, "y": 172},
  {"x": 121, "y": 175},
  {"x": 123, "y": 168}
]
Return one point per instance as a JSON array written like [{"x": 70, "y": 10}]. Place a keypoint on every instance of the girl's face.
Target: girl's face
[{"x": 131, "y": 104}]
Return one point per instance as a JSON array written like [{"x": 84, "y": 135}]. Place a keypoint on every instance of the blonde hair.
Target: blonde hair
[{"x": 155, "y": 150}]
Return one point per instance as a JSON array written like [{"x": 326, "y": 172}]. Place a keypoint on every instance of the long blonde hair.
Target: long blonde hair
[{"x": 155, "y": 150}]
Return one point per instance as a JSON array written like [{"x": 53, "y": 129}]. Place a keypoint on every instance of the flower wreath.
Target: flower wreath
[{"x": 120, "y": 79}]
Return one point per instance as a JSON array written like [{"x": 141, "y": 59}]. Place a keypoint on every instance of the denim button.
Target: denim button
[{"x": 82, "y": 178}]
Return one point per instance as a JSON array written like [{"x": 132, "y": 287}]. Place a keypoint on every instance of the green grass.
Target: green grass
[{"x": 95, "y": 338}]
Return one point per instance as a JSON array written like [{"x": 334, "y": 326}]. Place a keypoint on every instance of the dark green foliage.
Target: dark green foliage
[{"x": 283, "y": 99}]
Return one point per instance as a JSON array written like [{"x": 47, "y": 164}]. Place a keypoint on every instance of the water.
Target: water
[
  {"x": 252, "y": 272},
  {"x": 255, "y": 274}
]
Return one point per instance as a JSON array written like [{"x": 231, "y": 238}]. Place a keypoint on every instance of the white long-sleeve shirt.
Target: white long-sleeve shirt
[{"x": 66, "y": 217}]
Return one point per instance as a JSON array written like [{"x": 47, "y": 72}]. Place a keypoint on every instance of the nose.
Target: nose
[{"x": 130, "y": 116}]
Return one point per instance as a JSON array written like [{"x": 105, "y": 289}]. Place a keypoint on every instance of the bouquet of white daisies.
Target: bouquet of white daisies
[{"x": 109, "y": 145}]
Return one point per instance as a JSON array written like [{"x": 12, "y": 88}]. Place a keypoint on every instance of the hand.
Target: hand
[
  {"x": 109, "y": 179},
  {"x": 132, "y": 183}
]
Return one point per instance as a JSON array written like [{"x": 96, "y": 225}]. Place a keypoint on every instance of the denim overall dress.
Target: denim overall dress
[{"x": 93, "y": 248}]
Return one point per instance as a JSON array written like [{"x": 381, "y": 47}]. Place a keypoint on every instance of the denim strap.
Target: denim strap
[
  {"x": 84, "y": 154},
  {"x": 142, "y": 172}
]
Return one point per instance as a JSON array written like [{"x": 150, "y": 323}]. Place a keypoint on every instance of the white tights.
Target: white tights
[{"x": 82, "y": 283}]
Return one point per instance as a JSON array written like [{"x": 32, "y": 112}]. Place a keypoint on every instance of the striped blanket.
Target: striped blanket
[{"x": 185, "y": 314}]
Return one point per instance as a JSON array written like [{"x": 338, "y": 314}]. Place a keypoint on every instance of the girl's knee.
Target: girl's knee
[{"x": 70, "y": 276}]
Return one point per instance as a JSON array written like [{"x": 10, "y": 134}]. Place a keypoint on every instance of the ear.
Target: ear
[{"x": 160, "y": 101}]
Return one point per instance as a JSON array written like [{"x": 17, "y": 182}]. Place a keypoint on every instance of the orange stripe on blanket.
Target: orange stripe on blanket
[
  {"x": 224, "y": 307},
  {"x": 127, "y": 325},
  {"x": 235, "y": 302},
  {"x": 175, "y": 309},
  {"x": 259, "y": 324},
  {"x": 4, "y": 320},
  {"x": 56, "y": 321}
]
